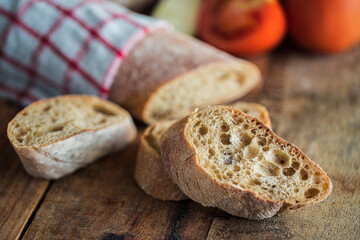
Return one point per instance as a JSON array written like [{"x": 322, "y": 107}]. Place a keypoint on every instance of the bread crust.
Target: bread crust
[
  {"x": 181, "y": 162},
  {"x": 159, "y": 59},
  {"x": 66, "y": 155},
  {"x": 150, "y": 174}
]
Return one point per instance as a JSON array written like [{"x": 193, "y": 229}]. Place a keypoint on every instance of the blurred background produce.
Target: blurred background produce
[
  {"x": 253, "y": 27},
  {"x": 182, "y": 14},
  {"x": 242, "y": 27},
  {"x": 326, "y": 26}
]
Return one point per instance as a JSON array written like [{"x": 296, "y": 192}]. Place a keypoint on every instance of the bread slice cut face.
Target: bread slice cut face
[
  {"x": 150, "y": 174},
  {"x": 56, "y": 136},
  {"x": 223, "y": 158},
  {"x": 211, "y": 84}
]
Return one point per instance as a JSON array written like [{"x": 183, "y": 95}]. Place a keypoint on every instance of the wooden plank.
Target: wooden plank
[
  {"x": 19, "y": 193},
  {"x": 103, "y": 202},
  {"x": 314, "y": 102}
]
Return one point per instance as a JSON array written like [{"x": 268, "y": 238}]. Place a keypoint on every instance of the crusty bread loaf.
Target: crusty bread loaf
[
  {"x": 55, "y": 137},
  {"x": 167, "y": 75},
  {"x": 224, "y": 158},
  {"x": 149, "y": 170}
]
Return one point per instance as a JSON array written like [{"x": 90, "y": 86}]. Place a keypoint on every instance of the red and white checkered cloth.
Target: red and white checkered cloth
[{"x": 55, "y": 47}]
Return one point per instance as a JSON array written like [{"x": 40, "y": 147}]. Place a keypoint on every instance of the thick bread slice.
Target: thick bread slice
[
  {"x": 149, "y": 171},
  {"x": 224, "y": 158},
  {"x": 55, "y": 137},
  {"x": 167, "y": 75}
]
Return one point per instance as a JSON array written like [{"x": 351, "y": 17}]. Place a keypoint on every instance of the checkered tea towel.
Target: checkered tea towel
[{"x": 55, "y": 47}]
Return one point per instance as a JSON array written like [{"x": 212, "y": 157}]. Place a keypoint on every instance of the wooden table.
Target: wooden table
[{"x": 314, "y": 103}]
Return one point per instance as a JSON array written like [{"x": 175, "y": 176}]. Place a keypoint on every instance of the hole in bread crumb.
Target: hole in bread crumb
[
  {"x": 203, "y": 130},
  {"x": 229, "y": 174},
  {"x": 247, "y": 172},
  {"x": 265, "y": 149},
  {"x": 307, "y": 167},
  {"x": 245, "y": 110},
  {"x": 56, "y": 128},
  {"x": 246, "y": 126},
  {"x": 312, "y": 192},
  {"x": 102, "y": 121},
  {"x": 228, "y": 159},
  {"x": 317, "y": 174},
  {"x": 288, "y": 171},
  {"x": 209, "y": 141},
  {"x": 268, "y": 169},
  {"x": 245, "y": 139},
  {"x": 256, "y": 181},
  {"x": 237, "y": 119},
  {"x": 262, "y": 142},
  {"x": 296, "y": 190},
  {"x": 281, "y": 158},
  {"x": 225, "y": 127},
  {"x": 325, "y": 186},
  {"x": 197, "y": 123},
  {"x": 295, "y": 165},
  {"x": 212, "y": 152},
  {"x": 47, "y": 108},
  {"x": 304, "y": 174},
  {"x": 225, "y": 139},
  {"x": 103, "y": 110},
  {"x": 252, "y": 151},
  {"x": 236, "y": 168},
  {"x": 253, "y": 131},
  {"x": 20, "y": 140}
]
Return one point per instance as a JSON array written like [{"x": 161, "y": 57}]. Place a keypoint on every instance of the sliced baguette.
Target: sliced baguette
[
  {"x": 224, "y": 158},
  {"x": 149, "y": 171},
  {"x": 57, "y": 136},
  {"x": 167, "y": 75}
]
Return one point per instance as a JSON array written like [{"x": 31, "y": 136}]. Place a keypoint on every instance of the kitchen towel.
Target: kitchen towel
[{"x": 56, "y": 47}]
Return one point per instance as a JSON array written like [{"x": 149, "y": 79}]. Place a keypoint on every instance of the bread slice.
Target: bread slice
[
  {"x": 224, "y": 158},
  {"x": 149, "y": 171},
  {"x": 57, "y": 136},
  {"x": 167, "y": 75}
]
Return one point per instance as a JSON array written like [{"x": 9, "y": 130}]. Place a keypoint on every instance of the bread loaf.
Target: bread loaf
[
  {"x": 57, "y": 136},
  {"x": 167, "y": 75},
  {"x": 149, "y": 170},
  {"x": 223, "y": 158}
]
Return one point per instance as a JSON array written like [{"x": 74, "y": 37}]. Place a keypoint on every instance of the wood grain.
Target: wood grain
[
  {"x": 313, "y": 101},
  {"x": 19, "y": 193},
  {"x": 104, "y": 202}
]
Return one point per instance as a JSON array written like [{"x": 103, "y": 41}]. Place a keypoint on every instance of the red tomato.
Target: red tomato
[{"x": 243, "y": 27}]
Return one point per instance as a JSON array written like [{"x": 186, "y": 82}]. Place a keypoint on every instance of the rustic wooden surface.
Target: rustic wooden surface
[
  {"x": 19, "y": 193},
  {"x": 313, "y": 101}
]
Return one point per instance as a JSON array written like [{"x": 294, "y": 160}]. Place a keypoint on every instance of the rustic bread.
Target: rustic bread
[
  {"x": 167, "y": 74},
  {"x": 149, "y": 170},
  {"x": 224, "y": 158},
  {"x": 55, "y": 137}
]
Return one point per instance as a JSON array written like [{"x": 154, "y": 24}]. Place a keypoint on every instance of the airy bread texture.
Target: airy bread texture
[
  {"x": 149, "y": 171},
  {"x": 167, "y": 75},
  {"x": 57, "y": 136},
  {"x": 224, "y": 158}
]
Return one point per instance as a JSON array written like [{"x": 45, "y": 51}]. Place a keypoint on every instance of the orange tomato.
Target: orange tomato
[
  {"x": 242, "y": 27},
  {"x": 324, "y": 25}
]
